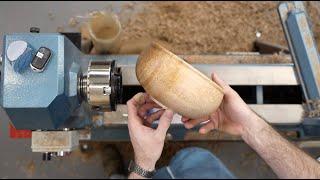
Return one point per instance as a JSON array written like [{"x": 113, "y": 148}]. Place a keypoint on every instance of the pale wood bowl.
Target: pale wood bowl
[{"x": 175, "y": 84}]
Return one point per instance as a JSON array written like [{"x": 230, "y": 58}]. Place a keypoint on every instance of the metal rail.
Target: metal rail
[
  {"x": 233, "y": 74},
  {"x": 241, "y": 74},
  {"x": 303, "y": 48}
]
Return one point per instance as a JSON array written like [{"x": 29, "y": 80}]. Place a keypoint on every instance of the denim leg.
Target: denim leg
[
  {"x": 194, "y": 163},
  {"x": 162, "y": 173}
]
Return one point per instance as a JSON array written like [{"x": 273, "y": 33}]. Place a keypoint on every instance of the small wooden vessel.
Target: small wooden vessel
[
  {"x": 104, "y": 29},
  {"x": 175, "y": 84}
]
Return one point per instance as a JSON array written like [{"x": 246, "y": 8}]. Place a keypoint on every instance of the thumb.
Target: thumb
[
  {"x": 164, "y": 123},
  {"x": 226, "y": 88},
  {"x": 219, "y": 81}
]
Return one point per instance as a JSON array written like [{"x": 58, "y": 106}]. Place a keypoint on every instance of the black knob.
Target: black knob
[
  {"x": 34, "y": 30},
  {"x": 116, "y": 86}
]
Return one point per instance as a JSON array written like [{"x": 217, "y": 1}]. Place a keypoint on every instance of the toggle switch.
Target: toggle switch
[{"x": 41, "y": 59}]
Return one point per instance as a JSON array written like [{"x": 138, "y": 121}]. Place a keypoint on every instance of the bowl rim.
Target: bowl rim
[{"x": 158, "y": 46}]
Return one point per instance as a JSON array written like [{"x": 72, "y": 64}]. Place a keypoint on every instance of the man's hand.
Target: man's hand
[
  {"x": 147, "y": 142},
  {"x": 236, "y": 118},
  {"x": 231, "y": 116}
]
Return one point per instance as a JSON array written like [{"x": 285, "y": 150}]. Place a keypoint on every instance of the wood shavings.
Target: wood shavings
[
  {"x": 73, "y": 22},
  {"x": 204, "y": 27},
  {"x": 207, "y": 27},
  {"x": 60, "y": 29}
]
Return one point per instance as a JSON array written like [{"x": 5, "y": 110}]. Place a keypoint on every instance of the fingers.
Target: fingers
[
  {"x": 184, "y": 119},
  {"x": 193, "y": 122},
  {"x": 154, "y": 116},
  {"x": 206, "y": 128},
  {"x": 133, "y": 106},
  {"x": 164, "y": 123},
  {"x": 146, "y": 107},
  {"x": 138, "y": 107},
  {"x": 219, "y": 81},
  {"x": 149, "y": 99},
  {"x": 227, "y": 90},
  {"x": 212, "y": 124},
  {"x": 133, "y": 118},
  {"x": 139, "y": 99}
]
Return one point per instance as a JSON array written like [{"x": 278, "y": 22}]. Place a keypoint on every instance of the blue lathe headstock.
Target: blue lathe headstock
[{"x": 51, "y": 99}]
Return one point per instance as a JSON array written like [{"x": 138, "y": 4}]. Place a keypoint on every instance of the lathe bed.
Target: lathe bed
[{"x": 252, "y": 81}]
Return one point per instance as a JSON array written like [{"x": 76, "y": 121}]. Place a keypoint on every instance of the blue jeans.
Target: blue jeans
[{"x": 194, "y": 163}]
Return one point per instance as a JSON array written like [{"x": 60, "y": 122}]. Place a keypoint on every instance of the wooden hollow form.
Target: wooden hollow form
[
  {"x": 176, "y": 84},
  {"x": 104, "y": 29}
]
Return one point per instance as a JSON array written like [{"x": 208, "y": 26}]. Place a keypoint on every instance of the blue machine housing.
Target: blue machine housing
[{"x": 45, "y": 100}]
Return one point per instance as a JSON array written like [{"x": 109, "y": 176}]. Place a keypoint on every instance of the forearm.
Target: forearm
[{"x": 286, "y": 160}]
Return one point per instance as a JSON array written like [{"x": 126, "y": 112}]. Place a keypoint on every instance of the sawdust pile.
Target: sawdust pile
[{"x": 203, "y": 27}]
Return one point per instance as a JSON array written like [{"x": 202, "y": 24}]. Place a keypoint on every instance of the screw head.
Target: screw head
[{"x": 85, "y": 146}]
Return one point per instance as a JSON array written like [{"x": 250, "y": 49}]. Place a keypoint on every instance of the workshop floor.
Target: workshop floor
[
  {"x": 17, "y": 160},
  {"x": 97, "y": 162}
]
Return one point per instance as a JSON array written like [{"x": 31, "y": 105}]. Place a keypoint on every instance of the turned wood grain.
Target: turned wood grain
[{"x": 176, "y": 84}]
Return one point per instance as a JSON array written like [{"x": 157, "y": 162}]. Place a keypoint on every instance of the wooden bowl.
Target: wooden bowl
[{"x": 177, "y": 85}]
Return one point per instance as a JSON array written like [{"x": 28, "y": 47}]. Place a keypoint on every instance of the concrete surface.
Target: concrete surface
[{"x": 17, "y": 160}]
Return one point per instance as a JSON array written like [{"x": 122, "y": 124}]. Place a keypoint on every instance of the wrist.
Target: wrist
[
  {"x": 138, "y": 172},
  {"x": 148, "y": 165}
]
